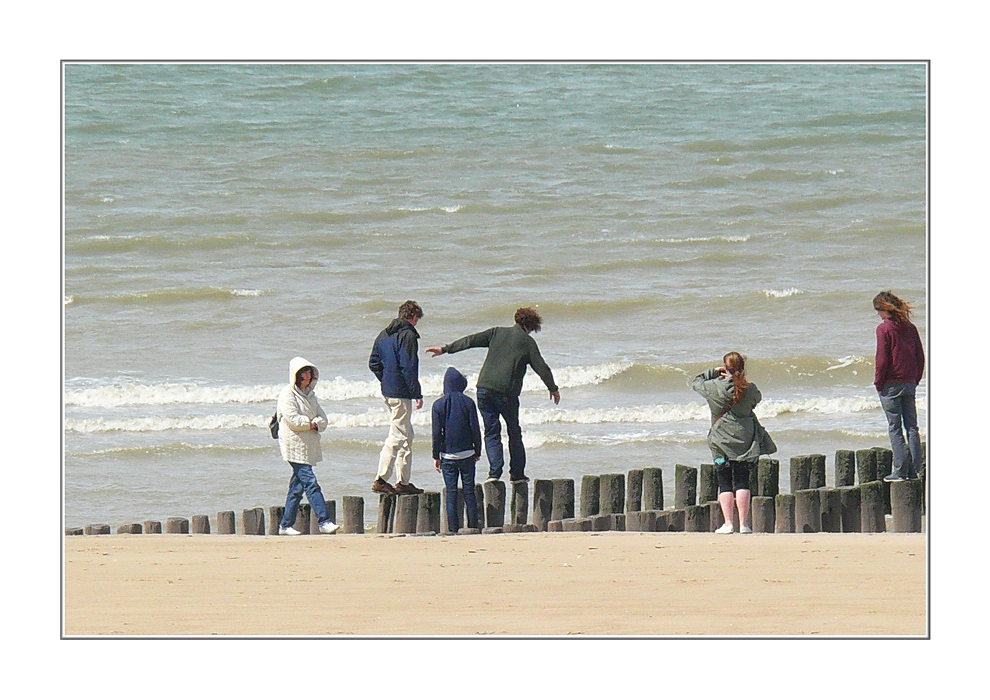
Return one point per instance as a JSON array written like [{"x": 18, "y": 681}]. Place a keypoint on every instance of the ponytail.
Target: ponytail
[{"x": 735, "y": 364}]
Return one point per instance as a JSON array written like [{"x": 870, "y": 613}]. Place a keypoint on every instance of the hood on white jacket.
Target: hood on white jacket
[{"x": 296, "y": 364}]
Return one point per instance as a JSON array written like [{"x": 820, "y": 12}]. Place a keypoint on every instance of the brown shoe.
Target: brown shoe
[
  {"x": 407, "y": 489},
  {"x": 382, "y": 486}
]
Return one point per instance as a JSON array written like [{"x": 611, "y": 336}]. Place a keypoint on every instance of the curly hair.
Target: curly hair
[
  {"x": 410, "y": 310},
  {"x": 529, "y": 319},
  {"x": 736, "y": 366},
  {"x": 898, "y": 309}
]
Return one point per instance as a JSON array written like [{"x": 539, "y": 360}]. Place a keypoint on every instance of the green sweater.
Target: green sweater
[{"x": 510, "y": 350}]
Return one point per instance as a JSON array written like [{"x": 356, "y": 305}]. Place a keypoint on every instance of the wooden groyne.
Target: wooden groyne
[{"x": 859, "y": 501}]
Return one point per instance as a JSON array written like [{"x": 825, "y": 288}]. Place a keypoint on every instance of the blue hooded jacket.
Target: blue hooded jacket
[
  {"x": 395, "y": 360},
  {"x": 455, "y": 418}
]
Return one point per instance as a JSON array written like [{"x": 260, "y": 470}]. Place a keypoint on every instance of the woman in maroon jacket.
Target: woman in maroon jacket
[{"x": 899, "y": 365}]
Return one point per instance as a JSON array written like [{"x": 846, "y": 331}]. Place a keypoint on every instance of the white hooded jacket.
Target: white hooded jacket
[{"x": 297, "y": 408}]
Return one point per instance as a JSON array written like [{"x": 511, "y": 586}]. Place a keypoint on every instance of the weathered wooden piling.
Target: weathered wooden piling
[
  {"x": 386, "y": 513},
  {"x": 74, "y": 531},
  {"x": 613, "y": 493},
  {"x": 590, "y": 493},
  {"x": 807, "y": 511},
  {"x": 406, "y": 512},
  {"x": 715, "y": 517},
  {"x": 479, "y": 501},
  {"x": 494, "y": 503},
  {"x": 685, "y": 486},
  {"x": 866, "y": 466},
  {"x": 871, "y": 507},
  {"x": 850, "y": 513},
  {"x": 830, "y": 501},
  {"x": 562, "y": 506},
  {"x": 253, "y": 521},
  {"x": 542, "y": 503},
  {"x": 226, "y": 522},
  {"x": 353, "y": 515},
  {"x": 763, "y": 513},
  {"x": 97, "y": 529},
  {"x": 800, "y": 473},
  {"x": 816, "y": 472},
  {"x": 601, "y": 523},
  {"x": 905, "y": 504},
  {"x": 707, "y": 484},
  {"x": 885, "y": 466},
  {"x": 200, "y": 525},
  {"x": 577, "y": 525},
  {"x": 652, "y": 488},
  {"x": 767, "y": 477},
  {"x": 177, "y": 526},
  {"x": 428, "y": 516},
  {"x": 152, "y": 527},
  {"x": 519, "y": 505},
  {"x": 275, "y": 514},
  {"x": 130, "y": 529},
  {"x": 845, "y": 468},
  {"x": 555, "y": 526},
  {"x": 641, "y": 521},
  {"x": 634, "y": 490},
  {"x": 783, "y": 512},
  {"x": 302, "y": 519},
  {"x": 697, "y": 519},
  {"x": 314, "y": 519}
]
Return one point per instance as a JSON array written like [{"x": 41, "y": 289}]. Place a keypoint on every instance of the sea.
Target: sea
[{"x": 220, "y": 219}]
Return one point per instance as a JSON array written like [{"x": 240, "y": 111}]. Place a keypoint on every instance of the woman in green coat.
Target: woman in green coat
[{"x": 734, "y": 435}]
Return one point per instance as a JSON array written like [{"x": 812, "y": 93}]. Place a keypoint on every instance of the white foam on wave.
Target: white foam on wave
[
  {"x": 817, "y": 404},
  {"x": 336, "y": 389},
  {"x": 452, "y": 209},
  {"x": 780, "y": 293},
  {"x": 246, "y": 292},
  {"x": 706, "y": 239},
  {"x": 69, "y": 299}
]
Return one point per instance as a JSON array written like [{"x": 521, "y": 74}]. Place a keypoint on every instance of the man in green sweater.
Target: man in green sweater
[{"x": 510, "y": 351}]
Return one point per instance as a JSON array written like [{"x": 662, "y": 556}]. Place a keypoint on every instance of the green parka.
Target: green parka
[{"x": 733, "y": 435}]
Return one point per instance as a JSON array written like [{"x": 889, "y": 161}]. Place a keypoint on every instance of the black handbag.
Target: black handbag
[{"x": 273, "y": 425}]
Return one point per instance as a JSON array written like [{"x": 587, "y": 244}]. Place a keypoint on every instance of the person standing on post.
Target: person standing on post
[
  {"x": 395, "y": 361},
  {"x": 510, "y": 351},
  {"x": 301, "y": 420},
  {"x": 900, "y": 364}
]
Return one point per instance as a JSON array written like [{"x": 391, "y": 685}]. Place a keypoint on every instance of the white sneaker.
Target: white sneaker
[
  {"x": 329, "y": 527},
  {"x": 743, "y": 530},
  {"x": 288, "y": 531},
  {"x": 726, "y": 529}
]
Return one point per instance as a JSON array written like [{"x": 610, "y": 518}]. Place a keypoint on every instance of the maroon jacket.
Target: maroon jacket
[{"x": 900, "y": 356}]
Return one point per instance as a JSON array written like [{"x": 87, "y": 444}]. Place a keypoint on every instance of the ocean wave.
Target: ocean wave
[
  {"x": 169, "y": 296},
  {"x": 780, "y": 293},
  {"x": 100, "y": 244}
]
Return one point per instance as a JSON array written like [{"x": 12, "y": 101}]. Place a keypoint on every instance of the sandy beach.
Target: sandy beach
[{"x": 594, "y": 584}]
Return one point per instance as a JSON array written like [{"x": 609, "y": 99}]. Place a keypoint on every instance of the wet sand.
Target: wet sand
[{"x": 594, "y": 584}]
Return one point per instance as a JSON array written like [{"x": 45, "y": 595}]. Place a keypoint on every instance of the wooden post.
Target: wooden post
[
  {"x": 494, "y": 503},
  {"x": 845, "y": 468},
  {"x": 830, "y": 501},
  {"x": 275, "y": 514},
  {"x": 851, "y": 509},
  {"x": 685, "y": 486},
  {"x": 590, "y": 494},
  {"x": 130, "y": 529},
  {"x": 153, "y": 527},
  {"x": 225, "y": 522},
  {"x": 634, "y": 490},
  {"x": 885, "y": 466},
  {"x": 817, "y": 471},
  {"x": 807, "y": 511},
  {"x": 314, "y": 519},
  {"x": 386, "y": 513},
  {"x": 707, "y": 484},
  {"x": 542, "y": 503},
  {"x": 302, "y": 518},
  {"x": 428, "y": 518},
  {"x": 479, "y": 500},
  {"x": 177, "y": 526},
  {"x": 764, "y": 512},
  {"x": 613, "y": 493},
  {"x": 562, "y": 505},
  {"x": 253, "y": 521},
  {"x": 767, "y": 477},
  {"x": 905, "y": 501},
  {"x": 97, "y": 529},
  {"x": 406, "y": 511},
  {"x": 871, "y": 507},
  {"x": 353, "y": 520},
  {"x": 784, "y": 512},
  {"x": 677, "y": 519},
  {"x": 866, "y": 466},
  {"x": 519, "y": 512},
  {"x": 697, "y": 519},
  {"x": 800, "y": 473},
  {"x": 652, "y": 488},
  {"x": 200, "y": 525}
]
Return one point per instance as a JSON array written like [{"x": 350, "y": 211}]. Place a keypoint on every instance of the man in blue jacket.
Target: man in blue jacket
[{"x": 395, "y": 361}]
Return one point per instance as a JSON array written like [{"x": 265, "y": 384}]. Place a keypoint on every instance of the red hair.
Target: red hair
[{"x": 736, "y": 366}]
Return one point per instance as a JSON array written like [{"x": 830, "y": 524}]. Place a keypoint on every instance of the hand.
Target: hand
[
  {"x": 555, "y": 395},
  {"x": 723, "y": 373},
  {"x": 419, "y": 403},
  {"x": 436, "y": 464},
  {"x": 477, "y": 457},
  {"x": 314, "y": 426},
  {"x": 435, "y": 351}
]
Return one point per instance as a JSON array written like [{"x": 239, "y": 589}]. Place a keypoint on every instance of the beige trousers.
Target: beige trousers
[{"x": 397, "y": 452}]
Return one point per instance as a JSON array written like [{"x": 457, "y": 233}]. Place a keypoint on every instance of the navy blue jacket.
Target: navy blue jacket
[
  {"x": 395, "y": 361},
  {"x": 455, "y": 418}
]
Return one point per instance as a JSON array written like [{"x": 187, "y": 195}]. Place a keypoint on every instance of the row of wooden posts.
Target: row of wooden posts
[{"x": 859, "y": 502}]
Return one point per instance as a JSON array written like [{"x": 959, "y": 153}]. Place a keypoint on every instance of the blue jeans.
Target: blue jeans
[
  {"x": 493, "y": 404},
  {"x": 451, "y": 468},
  {"x": 303, "y": 479},
  {"x": 898, "y": 404}
]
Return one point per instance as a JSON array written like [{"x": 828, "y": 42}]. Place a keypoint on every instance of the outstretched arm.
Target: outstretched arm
[{"x": 478, "y": 340}]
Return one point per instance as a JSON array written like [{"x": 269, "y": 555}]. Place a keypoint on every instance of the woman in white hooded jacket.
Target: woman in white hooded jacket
[{"x": 300, "y": 422}]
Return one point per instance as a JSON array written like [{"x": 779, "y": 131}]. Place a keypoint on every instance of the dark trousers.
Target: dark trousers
[
  {"x": 492, "y": 405},
  {"x": 451, "y": 469}
]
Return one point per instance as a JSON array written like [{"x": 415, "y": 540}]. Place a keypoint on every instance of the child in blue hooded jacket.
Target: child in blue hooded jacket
[{"x": 457, "y": 445}]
